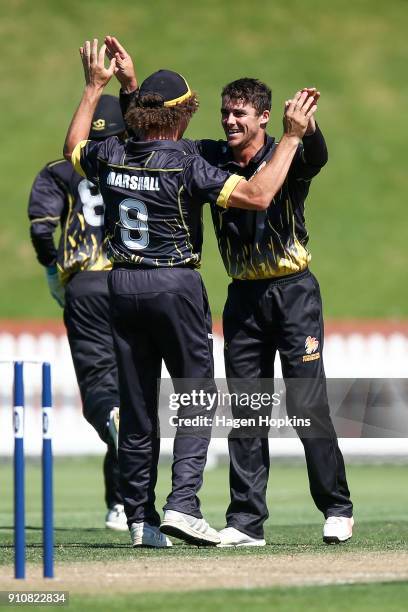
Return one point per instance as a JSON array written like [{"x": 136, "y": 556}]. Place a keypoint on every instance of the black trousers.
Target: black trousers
[
  {"x": 260, "y": 318},
  {"x": 159, "y": 314},
  {"x": 87, "y": 320}
]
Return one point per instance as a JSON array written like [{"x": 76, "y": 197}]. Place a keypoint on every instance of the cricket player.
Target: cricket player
[
  {"x": 153, "y": 192},
  {"x": 77, "y": 272},
  {"x": 273, "y": 304}
]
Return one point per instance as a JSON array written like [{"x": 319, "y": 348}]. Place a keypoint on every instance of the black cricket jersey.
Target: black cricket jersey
[
  {"x": 61, "y": 197},
  {"x": 262, "y": 244},
  {"x": 153, "y": 192},
  {"x": 270, "y": 243}
]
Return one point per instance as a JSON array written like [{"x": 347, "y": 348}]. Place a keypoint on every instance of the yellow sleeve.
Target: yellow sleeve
[
  {"x": 228, "y": 188},
  {"x": 76, "y": 157}
]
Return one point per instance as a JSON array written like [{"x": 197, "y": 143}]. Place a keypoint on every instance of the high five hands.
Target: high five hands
[{"x": 121, "y": 65}]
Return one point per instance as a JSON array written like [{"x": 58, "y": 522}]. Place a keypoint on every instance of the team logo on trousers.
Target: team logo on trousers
[{"x": 311, "y": 346}]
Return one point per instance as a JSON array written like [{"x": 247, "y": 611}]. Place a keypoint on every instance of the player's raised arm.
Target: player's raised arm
[
  {"x": 96, "y": 77},
  {"x": 124, "y": 69},
  {"x": 258, "y": 193}
]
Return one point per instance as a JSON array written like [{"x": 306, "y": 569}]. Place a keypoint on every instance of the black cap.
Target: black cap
[
  {"x": 107, "y": 119},
  {"x": 170, "y": 85}
]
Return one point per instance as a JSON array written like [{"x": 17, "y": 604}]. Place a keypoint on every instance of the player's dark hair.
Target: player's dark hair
[
  {"x": 250, "y": 91},
  {"x": 147, "y": 113}
]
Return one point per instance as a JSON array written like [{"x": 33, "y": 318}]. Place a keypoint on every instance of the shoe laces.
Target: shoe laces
[
  {"x": 202, "y": 525},
  {"x": 333, "y": 520}
]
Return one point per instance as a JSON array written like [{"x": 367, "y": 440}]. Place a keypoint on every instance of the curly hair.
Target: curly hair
[
  {"x": 250, "y": 91},
  {"x": 148, "y": 113}
]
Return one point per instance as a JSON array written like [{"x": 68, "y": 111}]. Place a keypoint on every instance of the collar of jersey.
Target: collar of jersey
[
  {"x": 142, "y": 146},
  {"x": 228, "y": 158}
]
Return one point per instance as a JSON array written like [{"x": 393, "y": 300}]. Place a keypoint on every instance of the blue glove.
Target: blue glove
[{"x": 55, "y": 286}]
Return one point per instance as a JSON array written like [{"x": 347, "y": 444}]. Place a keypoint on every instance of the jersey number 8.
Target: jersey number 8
[{"x": 93, "y": 206}]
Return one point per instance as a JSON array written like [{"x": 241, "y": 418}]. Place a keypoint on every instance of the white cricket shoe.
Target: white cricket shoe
[
  {"x": 233, "y": 537},
  {"x": 116, "y": 518},
  {"x": 149, "y": 536},
  {"x": 189, "y": 528},
  {"x": 113, "y": 426},
  {"x": 337, "y": 529}
]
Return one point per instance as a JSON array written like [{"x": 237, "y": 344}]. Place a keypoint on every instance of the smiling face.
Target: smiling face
[{"x": 242, "y": 125}]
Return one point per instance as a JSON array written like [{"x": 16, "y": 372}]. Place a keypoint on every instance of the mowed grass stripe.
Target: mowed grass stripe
[
  {"x": 355, "y": 598},
  {"x": 294, "y": 526}
]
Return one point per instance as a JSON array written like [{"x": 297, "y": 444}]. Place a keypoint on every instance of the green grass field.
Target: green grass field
[
  {"x": 355, "y": 53},
  {"x": 294, "y": 528}
]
